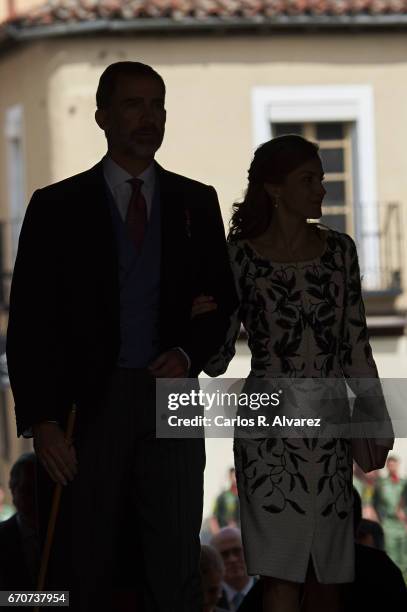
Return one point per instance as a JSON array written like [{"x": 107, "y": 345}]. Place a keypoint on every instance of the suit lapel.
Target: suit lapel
[
  {"x": 94, "y": 249},
  {"x": 97, "y": 240},
  {"x": 173, "y": 228},
  {"x": 175, "y": 253},
  {"x": 101, "y": 245},
  {"x": 173, "y": 215},
  {"x": 96, "y": 211}
]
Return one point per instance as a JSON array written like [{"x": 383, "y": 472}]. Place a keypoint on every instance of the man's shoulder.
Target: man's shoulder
[
  {"x": 72, "y": 183},
  {"x": 368, "y": 558},
  {"x": 183, "y": 182}
]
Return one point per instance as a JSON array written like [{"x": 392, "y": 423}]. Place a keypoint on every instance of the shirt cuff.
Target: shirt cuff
[
  {"x": 186, "y": 357},
  {"x": 28, "y": 433}
]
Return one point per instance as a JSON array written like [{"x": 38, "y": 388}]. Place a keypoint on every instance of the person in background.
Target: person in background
[
  {"x": 388, "y": 505},
  {"x": 226, "y": 508},
  {"x": 370, "y": 533},
  {"x": 379, "y": 583},
  {"x": 5, "y": 509},
  {"x": 19, "y": 540},
  {"x": 236, "y": 582},
  {"x": 212, "y": 570},
  {"x": 365, "y": 485}
]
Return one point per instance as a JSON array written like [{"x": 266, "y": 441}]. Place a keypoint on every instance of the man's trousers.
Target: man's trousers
[{"x": 131, "y": 517}]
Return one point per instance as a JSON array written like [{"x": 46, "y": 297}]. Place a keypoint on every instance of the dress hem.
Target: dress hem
[{"x": 269, "y": 574}]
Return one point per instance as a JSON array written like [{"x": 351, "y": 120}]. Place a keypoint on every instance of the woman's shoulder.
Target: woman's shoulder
[
  {"x": 242, "y": 257},
  {"x": 240, "y": 249},
  {"x": 335, "y": 237},
  {"x": 237, "y": 248}
]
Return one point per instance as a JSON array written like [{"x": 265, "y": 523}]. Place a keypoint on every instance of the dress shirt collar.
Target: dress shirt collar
[
  {"x": 115, "y": 175},
  {"x": 231, "y": 592}
]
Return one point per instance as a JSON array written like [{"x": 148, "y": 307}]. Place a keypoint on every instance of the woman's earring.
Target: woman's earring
[{"x": 276, "y": 200}]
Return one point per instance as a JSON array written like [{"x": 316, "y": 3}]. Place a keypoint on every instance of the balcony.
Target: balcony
[
  {"x": 381, "y": 250},
  {"x": 382, "y": 264}
]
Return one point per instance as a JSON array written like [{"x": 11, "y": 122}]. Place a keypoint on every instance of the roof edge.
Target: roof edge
[{"x": 207, "y": 24}]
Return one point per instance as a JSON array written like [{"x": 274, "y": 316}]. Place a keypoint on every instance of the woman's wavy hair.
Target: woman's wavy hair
[{"x": 272, "y": 161}]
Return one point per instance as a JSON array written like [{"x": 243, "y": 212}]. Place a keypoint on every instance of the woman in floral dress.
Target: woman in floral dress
[{"x": 301, "y": 305}]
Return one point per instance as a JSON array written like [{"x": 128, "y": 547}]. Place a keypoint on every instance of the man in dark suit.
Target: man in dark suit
[
  {"x": 236, "y": 583},
  {"x": 108, "y": 265},
  {"x": 19, "y": 546},
  {"x": 212, "y": 570}
]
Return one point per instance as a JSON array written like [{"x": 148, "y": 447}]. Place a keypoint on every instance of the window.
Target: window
[
  {"x": 10, "y": 226},
  {"x": 15, "y": 172}
]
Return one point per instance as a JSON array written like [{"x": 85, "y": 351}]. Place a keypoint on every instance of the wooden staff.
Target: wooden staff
[{"x": 54, "y": 513}]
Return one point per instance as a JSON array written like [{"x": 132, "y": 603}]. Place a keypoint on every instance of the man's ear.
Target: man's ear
[{"x": 101, "y": 118}]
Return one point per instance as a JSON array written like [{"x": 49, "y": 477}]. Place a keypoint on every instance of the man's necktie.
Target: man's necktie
[
  {"x": 136, "y": 218},
  {"x": 237, "y": 600}
]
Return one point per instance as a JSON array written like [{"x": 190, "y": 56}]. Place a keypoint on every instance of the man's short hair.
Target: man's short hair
[
  {"x": 210, "y": 560},
  {"x": 108, "y": 79},
  {"x": 367, "y": 527}
]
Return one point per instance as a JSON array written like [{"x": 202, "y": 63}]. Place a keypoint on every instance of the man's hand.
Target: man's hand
[
  {"x": 56, "y": 454},
  {"x": 203, "y": 304},
  {"x": 171, "y": 364}
]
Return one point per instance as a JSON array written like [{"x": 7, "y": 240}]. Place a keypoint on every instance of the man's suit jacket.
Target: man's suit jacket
[
  {"x": 223, "y": 602},
  {"x": 63, "y": 334},
  {"x": 14, "y": 573},
  {"x": 378, "y": 585}
]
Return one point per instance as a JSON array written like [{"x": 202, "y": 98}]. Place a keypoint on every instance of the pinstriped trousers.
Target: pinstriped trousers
[{"x": 131, "y": 517}]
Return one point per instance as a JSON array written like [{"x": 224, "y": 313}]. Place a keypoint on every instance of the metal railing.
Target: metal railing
[{"x": 381, "y": 249}]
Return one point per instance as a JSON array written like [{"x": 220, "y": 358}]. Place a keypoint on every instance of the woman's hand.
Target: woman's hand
[{"x": 203, "y": 304}]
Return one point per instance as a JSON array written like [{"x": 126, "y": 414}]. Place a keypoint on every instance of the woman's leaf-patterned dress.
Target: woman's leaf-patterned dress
[{"x": 303, "y": 320}]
